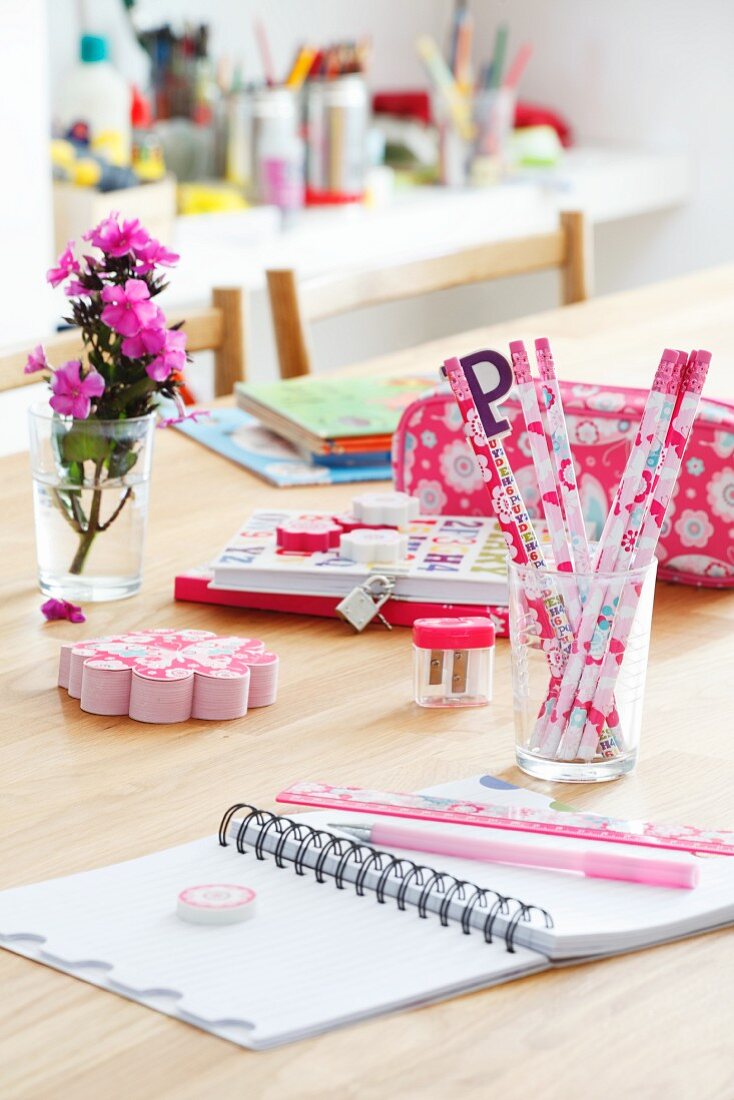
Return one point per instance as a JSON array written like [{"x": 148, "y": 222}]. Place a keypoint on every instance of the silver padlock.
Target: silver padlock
[{"x": 360, "y": 606}]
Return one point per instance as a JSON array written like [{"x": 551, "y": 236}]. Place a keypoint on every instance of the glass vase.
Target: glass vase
[
  {"x": 578, "y": 718},
  {"x": 90, "y": 496}
]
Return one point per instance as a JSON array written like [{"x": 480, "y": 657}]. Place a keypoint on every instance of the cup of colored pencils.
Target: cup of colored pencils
[
  {"x": 580, "y": 614},
  {"x": 474, "y": 111}
]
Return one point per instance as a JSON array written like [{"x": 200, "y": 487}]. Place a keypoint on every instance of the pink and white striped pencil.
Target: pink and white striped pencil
[
  {"x": 507, "y": 502},
  {"x": 665, "y": 478},
  {"x": 667, "y": 375},
  {"x": 621, "y": 548},
  {"x": 551, "y": 502},
  {"x": 562, "y": 456}
]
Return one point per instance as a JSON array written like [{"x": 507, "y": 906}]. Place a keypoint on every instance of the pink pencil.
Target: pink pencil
[
  {"x": 522, "y": 542},
  {"x": 562, "y": 456},
  {"x": 606, "y": 555},
  {"x": 592, "y": 863},
  {"x": 518, "y": 66},
  {"x": 666, "y": 476},
  {"x": 622, "y": 538},
  {"x": 550, "y": 497},
  {"x": 266, "y": 57}
]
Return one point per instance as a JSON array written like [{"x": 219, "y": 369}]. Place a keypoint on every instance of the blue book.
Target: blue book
[{"x": 241, "y": 438}]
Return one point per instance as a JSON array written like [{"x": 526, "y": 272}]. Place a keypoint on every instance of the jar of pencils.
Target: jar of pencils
[
  {"x": 494, "y": 118},
  {"x": 337, "y": 117},
  {"x": 579, "y": 644}
]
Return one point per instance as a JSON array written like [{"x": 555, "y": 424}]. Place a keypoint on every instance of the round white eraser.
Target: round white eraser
[{"x": 216, "y": 903}]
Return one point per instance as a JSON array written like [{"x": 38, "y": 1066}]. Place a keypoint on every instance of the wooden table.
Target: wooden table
[{"x": 80, "y": 791}]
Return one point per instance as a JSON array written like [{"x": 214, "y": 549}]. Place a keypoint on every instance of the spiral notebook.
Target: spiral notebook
[{"x": 339, "y": 936}]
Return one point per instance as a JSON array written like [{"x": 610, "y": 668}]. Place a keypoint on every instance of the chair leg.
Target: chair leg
[
  {"x": 229, "y": 358},
  {"x": 290, "y": 334},
  {"x": 577, "y": 272}
]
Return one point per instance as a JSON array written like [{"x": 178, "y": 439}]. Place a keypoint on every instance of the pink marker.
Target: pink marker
[{"x": 593, "y": 864}]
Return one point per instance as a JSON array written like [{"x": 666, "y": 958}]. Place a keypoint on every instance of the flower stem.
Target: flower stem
[{"x": 88, "y": 536}]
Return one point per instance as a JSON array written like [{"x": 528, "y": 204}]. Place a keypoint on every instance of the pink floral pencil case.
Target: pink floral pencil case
[{"x": 433, "y": 461}]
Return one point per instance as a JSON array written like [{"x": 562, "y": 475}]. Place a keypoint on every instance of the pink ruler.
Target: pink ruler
[{"x": 423, "y": 807}]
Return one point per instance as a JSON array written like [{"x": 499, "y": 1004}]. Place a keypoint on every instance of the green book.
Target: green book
[{"x": 333, "y": 415}]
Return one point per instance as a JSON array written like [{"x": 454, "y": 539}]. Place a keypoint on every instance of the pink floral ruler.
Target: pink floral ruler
[{"x": 526, "y": 819}]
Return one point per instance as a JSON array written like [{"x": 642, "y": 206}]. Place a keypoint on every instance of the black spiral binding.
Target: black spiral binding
[{"x": 433, "y": 883}]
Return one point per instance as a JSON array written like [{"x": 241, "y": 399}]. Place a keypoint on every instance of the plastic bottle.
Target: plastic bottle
[
  {"x": 94, "y": 99},
  {"x": 147, "y": 149}
]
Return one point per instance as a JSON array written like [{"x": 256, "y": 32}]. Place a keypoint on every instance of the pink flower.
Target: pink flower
[
  {"x": 66, "y": 265},
  {"x": 36, "y": 361},
  {"x": 128, "y": 308},
  {"x": 149, "y": 341},
  {"x": 61, "y": 609},
  {"x": 75, "y": 289},
  {"x": 72, "y": 394},
  {"x": 166, "y": 422},
  {"x": 152, "y": 253},
  {"x": 118, "y": 240},
  {"x": 171, "y": 358}
]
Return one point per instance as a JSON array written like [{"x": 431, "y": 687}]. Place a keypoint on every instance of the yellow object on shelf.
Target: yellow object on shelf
[
  {"x": 63, "y": 154},
  {"x": 110, "y": 144},
  {"x": 86, "y": 172},
  {"x": 209, "y": 198}
]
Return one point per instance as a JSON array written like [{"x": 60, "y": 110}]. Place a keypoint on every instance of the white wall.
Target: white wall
[
  {"x": 25, "y": 186},
  {"x": 651, "y": 73}
]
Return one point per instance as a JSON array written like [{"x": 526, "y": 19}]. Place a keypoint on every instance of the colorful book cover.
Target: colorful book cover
[
  {"x": 336, "y": 409},
  {"x": 239, "y": 437},
  {"x": 461, "y": 559},
  {"x": 194, "y": 586}
]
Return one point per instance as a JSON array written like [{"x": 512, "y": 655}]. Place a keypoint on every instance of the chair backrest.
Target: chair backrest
[
  {"x": 295, "y": 303},
  {"x": 218, "y": 328}
]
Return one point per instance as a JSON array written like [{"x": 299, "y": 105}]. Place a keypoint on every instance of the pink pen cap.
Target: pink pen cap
[{"x": 453, "y": 661}]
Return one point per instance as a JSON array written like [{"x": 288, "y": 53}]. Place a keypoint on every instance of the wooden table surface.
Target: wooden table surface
[{"x": 79, "y": 791}]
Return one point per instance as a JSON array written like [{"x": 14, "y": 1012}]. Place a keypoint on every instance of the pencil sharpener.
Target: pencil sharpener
[{"x": 453, "y": 662}]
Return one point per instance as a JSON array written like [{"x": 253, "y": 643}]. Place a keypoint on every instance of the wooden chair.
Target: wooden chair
[
  {"x": 294, "y": 304},
  {"x": 218, "y": 328}
]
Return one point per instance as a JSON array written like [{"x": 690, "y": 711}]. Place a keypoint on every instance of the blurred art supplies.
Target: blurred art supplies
[{"x": 93, "y": 103}]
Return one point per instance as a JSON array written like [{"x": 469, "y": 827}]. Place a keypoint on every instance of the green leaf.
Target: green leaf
[
  {"x": 79, "y": 445},
  {"x": 121, "y": 461}
]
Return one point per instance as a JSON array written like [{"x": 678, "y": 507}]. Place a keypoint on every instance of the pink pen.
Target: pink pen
[{"x": 592, "y": 864}]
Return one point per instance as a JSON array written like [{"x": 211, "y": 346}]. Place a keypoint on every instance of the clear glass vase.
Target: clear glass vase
[
  {"x": 578, "y": 713},
  {"x": 90, "y": 496}
]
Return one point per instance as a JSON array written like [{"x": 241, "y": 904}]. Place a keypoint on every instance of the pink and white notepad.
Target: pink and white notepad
[
  {"x": 314, "y": 957},
  {"x": 167, "y": 675}
]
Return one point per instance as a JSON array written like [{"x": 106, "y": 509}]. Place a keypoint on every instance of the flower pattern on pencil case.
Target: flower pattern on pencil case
[{"x": 696, "y": 545}]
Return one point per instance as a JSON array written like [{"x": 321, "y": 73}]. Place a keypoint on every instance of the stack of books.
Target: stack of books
[{"x": 311, "y": 431}]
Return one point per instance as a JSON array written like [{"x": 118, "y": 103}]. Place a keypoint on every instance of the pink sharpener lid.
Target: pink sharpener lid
[{"x": 472, "y": 632}]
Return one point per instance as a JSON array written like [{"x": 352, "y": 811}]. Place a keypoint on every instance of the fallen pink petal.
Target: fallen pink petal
[{"x": 54, "y": 610}]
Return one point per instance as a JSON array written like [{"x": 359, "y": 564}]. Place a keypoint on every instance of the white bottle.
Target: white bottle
[{"x": 94, "y": 93}]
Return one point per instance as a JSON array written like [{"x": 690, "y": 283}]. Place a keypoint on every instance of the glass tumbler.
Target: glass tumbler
[
  {"x": 579, "y": 645},
  {"x": 90, "y": 495}
]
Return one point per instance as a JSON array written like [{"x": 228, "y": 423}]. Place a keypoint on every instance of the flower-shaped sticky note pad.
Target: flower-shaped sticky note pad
[{"x": 169, "y": 675}]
